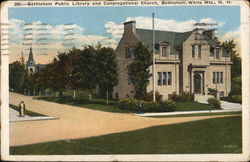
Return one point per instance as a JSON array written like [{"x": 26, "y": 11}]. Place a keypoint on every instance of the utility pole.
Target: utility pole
[{"x": 153, "y": 45}]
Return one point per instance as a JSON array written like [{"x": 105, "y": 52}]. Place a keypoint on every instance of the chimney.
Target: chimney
[
  {"x": 209, "y": 33},
  {"x": 129, "y": 27}
]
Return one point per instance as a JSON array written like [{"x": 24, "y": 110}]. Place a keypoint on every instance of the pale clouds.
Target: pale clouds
[
  {"x": 232, "y": 35},
  {"x": 48, "y": 40},
  {"x": 116, "y": 30},
  {"x": 235, "y": 35}
]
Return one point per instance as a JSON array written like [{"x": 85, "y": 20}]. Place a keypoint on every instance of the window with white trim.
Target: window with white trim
[
  {"x": 164, "y": 78},
  {"x": 193, "y": 50},
  {"x": 218, "y": 77}
]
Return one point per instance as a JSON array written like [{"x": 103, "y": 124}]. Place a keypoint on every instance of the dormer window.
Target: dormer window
[
  {"x": 164, "y": 51},
  {"x": 128, "y": 52}
]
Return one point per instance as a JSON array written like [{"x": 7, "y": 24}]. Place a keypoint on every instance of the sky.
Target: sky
[{"x": 56, "y": 29}]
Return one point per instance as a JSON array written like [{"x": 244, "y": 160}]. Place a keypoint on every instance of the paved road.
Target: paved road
[{"x": 75, "y": 122}]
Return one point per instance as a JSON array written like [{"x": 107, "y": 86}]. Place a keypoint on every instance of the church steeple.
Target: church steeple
[{"x": 31, "y": 59}]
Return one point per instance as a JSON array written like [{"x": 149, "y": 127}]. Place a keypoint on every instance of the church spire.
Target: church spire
[{"x": 31, "y": 59}]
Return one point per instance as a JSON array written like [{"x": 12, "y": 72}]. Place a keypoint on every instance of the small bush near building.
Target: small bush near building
[
  {"x": 234, "y": 98},
  {"x": 149, "y": 96},
  {"x": 237, "y": 98},
  {"x": 147, "y": 106},
  {"x": 168, "y": 105},
  {"x": 182, "y": 97},
  {"x": 214, "y": 103},
  {"x": 212, "y": 92}
]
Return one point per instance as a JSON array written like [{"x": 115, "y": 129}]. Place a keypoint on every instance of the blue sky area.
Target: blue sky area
[
  {"x": 105, "y": 25},
  {"x": 94, "y": 18}
]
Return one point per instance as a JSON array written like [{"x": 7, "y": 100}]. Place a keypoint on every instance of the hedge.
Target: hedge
[{"x": 147, "y": 106}]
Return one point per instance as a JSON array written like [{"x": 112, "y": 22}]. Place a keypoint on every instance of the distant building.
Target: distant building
[
  {"x": 31, "y": 66},
  {"x": 185, "y": 62}
]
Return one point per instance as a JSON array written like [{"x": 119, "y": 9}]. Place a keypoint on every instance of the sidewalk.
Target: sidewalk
[
  {"x": 226, "y": 106},
  {"x": 14, "y": 117}
]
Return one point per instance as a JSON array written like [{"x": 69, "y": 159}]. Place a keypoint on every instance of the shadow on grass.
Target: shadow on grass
[{"x": 218, "y": 135}]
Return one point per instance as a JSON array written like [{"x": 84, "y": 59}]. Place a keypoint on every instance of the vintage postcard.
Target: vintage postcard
[{"x": 125, "y": 80}]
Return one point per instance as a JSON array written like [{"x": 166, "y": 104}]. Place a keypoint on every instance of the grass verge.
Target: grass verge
[
  {"x": 95, "y": 104},
  {"x": 28, "y": 112},
  {"x": 198, "y": 114},
  {"x": 100, "y": 104},
  {"x": 193, "y": 106},
  {"x": 219, "y": 135}
]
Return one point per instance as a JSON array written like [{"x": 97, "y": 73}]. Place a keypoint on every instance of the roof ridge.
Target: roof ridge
[{"x": 159, "y": 30}]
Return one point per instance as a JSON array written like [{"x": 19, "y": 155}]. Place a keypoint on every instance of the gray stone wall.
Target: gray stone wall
[{"x": 183, "y": 66}]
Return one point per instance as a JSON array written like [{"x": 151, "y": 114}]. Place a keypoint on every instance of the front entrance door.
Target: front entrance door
[{"x": 197, "y": 84}]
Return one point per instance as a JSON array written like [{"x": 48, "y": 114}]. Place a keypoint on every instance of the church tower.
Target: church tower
[{"x": 31, "y": 66}]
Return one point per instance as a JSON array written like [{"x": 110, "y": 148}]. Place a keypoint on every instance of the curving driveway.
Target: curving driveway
[{"x": 75, "y": 122}]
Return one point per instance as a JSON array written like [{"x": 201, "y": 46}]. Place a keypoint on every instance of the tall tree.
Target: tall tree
[
  {"x": 107, "y": 70},
  {"x": 235, "y": 68},
  {"x": 235, "y": 58},
  {"x": 17, "y": 75},
  {"x": 138, "y": 69}
]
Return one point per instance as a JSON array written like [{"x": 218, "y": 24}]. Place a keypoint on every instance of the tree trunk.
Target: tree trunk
[
  {"x": 90, "y": 97},
  {"x": 107, "y": 97},
  {"x": 74, "y": 94}
]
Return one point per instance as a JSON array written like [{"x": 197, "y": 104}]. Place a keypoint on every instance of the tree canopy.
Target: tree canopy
[
  {"x": 81, "y": 70},
  {"x": 235, "y": 68},
  {"x": 138, "y": 69}
]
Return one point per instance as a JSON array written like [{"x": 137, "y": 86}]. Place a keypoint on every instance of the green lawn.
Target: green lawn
[
  {"x": 219, "y": 135},
  {"x": 193, "y": 106},
  {"x": 95, "y": 104},
  {"x": 100, "y": 104},
  {"x": 198, "y": 114},
  {"x": 28, "y": 112}
]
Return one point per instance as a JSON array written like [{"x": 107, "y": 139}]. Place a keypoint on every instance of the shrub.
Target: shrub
[
  {"x": 212, "y": 92},
  {"x": 213, "y": 102},
  {"x": 234, "y": 98},
  {"x": 149, "y": 96},
  {"x": 148, "y": 106},
  {"x": 237, "y": 98},
  {"x": 174, "y": 97},
  {"x": 167, "y": 106},
  {"x": 182, "y": 97},
  {"x": 124, "y": 104}
]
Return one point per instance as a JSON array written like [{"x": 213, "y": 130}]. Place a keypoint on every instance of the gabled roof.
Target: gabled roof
[
  {"x": 182, "y": 37},
  {"x": 173, "y": 38}
]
